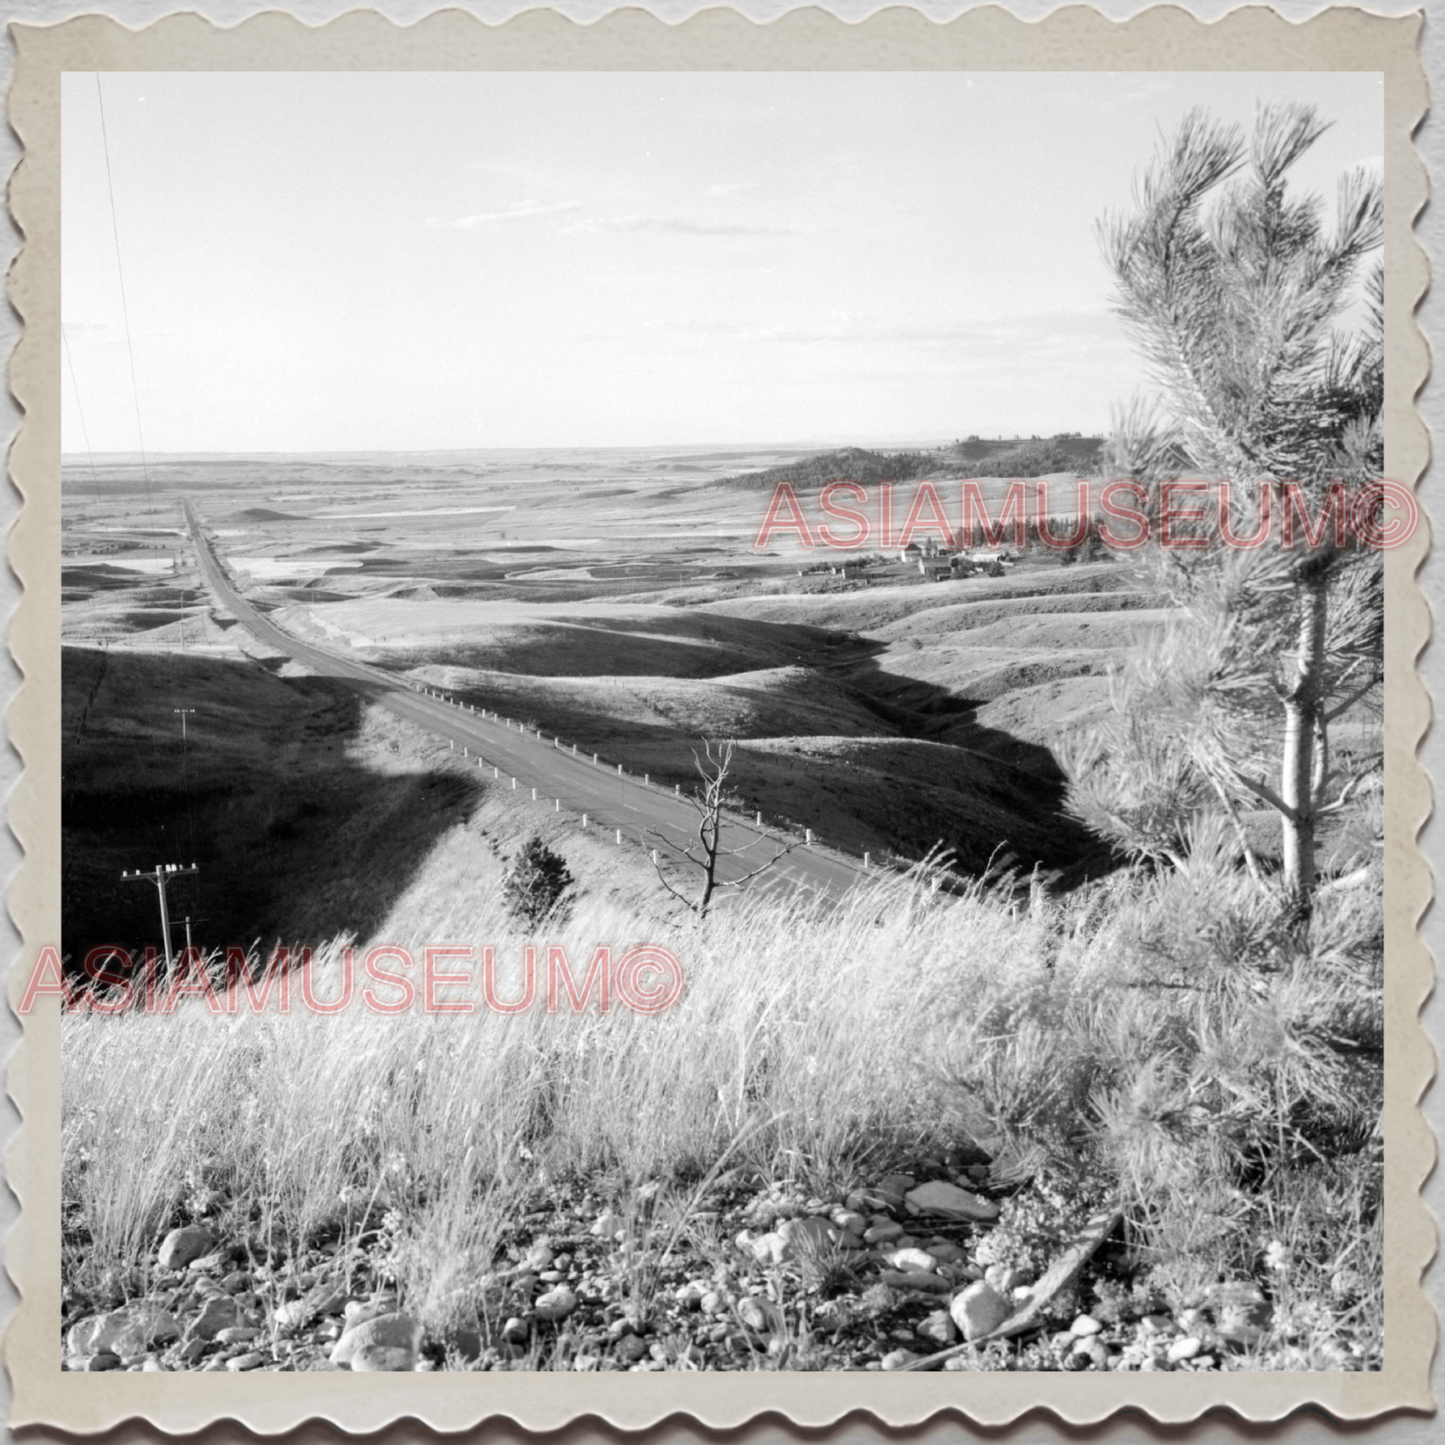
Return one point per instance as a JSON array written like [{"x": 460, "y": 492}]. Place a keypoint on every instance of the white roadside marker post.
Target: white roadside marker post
[
  {"x": 584, "y": 820},
  {"x": 534, "y": 795},
  {"x": 619, "y": 835},
  {"x": 619, "y": 770},
  {"x": 514, "y": 785},
  {"x": 760, "y": 818},
  {"x": 808, "y": 836},
  {"x": 556, "y": 805},
  {"x": 867, "y": 860}
]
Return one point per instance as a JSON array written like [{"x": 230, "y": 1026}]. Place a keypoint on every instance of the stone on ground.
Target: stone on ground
[
  {"x": 556, "y": 1304},
  {"x": 385, "y": 1332},
  {"x": 940, "y": 1197},
  {"x": 130, "y": 1330},
  {"x": 980, "y": 1310},
  {"x": 181, "y": 1246}
]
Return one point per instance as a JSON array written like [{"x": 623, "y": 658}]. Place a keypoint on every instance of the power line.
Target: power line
[
  {"x": 84, "y": 430},
  {"x": 120, "y": 272}
]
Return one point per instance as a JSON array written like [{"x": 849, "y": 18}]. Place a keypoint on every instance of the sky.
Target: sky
[{"x": 360, "y": 262}]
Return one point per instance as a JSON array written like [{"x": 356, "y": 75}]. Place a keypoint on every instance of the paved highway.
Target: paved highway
[{"x": 610, "y": 799}]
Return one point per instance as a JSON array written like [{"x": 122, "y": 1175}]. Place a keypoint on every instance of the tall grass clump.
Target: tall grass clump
[{"x": 1154, "y": 1041}]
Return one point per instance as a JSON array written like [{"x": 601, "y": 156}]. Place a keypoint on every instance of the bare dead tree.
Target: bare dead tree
[{"x": 708, "y": 851}]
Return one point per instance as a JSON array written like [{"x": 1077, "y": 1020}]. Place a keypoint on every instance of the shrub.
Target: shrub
[{"x": 537, "y": 884}]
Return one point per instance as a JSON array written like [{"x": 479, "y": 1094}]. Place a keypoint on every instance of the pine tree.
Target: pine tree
[
  {"x": 536, "y": 886},
  {"x": 1233, "y": 288}
]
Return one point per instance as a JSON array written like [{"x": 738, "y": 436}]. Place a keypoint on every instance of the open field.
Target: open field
[
  {"x": 592, "y": 595},
  {"x": 1074, "y": 1043}
]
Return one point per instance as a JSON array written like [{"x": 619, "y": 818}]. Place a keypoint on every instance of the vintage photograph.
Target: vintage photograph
[{"x": 722, "y": 721}]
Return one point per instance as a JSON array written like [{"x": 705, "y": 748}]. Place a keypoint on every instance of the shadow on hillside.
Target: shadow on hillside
[
  {"x": 297, "y": 836},
  {"x": 979, "y": 791}
]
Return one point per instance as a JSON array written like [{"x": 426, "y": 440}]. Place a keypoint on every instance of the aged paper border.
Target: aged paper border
[{"x": 988, "y": 39}]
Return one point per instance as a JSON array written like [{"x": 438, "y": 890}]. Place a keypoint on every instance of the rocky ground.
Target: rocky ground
[{"x": 744, "y": 1276}]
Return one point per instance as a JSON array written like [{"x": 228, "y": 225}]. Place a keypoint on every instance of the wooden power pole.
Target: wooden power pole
[{"x": 160, "y": 875}]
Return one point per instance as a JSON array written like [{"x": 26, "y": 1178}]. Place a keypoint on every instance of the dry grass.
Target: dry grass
[{"x": 1151, "y": 1038}]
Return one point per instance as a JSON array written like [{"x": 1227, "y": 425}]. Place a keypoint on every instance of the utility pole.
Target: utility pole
[
  {"x": 183, "y": 711},
  {"x": 160, "y": 875}
]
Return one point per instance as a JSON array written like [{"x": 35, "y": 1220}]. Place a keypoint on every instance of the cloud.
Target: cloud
[
  {"x": 520, "y": 211},
  {"x": 674, "y": 226},
  {"x": 733, "y": 188}
]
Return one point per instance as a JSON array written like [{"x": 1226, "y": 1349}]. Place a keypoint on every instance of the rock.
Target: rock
[
  {"x": 608, "y": 1224},
  {"x": 979, "y": 1310},
  {"x": 850, "y": 1221},
  {"x": 357, "y": 1311},
  {"x": 393, "y": 1332},
  {"x": 805, "y": 1237},
  {"x": 237, "y": 1335},
  {"x": 237, "y": 1282},
  {"x": 390, "y": 1358},
  {"x": 556, "y": 1304},
  {"x": 1242, "y": 1313},
  {"x": 80, "y": 1364},
  {"x": 1185, "y": 1349},
  {"x": 292, "y": 1315},
  {"x": 937, "y": 1329},
  {"x": 516, "y": 1331},
  {"x": 711, "y": 1303},
  {"x": 898, "y": 1359},
  {"x": 192, "y": 1351},
  {"x": 939, "y": 1197},
  {"x": 130, "y": 1330},
  {"x": 1005, "y": 1278},
  {"x": 946, "y": 1253},
  {"x": 767, "y": 1248},
  {"x": 182, "y": 1245},
  {"x": 220, "y": 1312},
  {"x": 1085, "y": 1325},
  {"x": 913, "y": 1259},
  {"x": 632, "y": 1348},
  {"x": 248, "y": 1361},
  {"x": 915, "y": 1279},
  {"x": 539, "y": 1257},
  {"x": 1156, "y": 1325},
  {"x": 152, "y": 1365},
  {"x": 898, "y": 1184},
  {"x": 754, "y": 1314},
  {"x": 1092, "y": 1348},
  {"x": 882, "y": 1233},
  {"x": 210, "y": 1263}
]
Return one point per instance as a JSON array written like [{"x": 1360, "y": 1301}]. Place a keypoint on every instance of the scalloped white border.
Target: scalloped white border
[{"x": 1162, "y": 38}]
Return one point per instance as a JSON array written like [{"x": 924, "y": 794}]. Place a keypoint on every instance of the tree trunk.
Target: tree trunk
[{"x": 1303, "y": 734}]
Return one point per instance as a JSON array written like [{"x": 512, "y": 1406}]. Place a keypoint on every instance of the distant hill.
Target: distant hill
[
  {"x": 847, "y": 464},
  {"x": 972, "y": 458}
]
